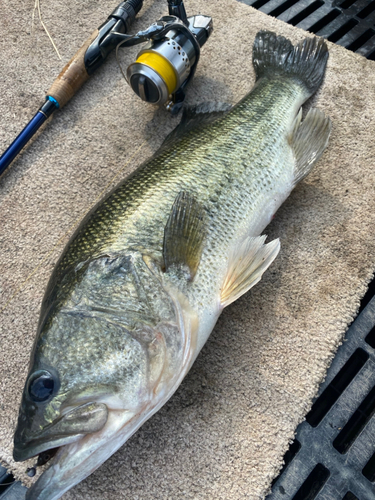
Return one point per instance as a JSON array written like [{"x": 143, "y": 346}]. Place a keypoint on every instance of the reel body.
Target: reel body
[
  {"x": 164, "y": 66},
  {"x": 167, "y": 62}
]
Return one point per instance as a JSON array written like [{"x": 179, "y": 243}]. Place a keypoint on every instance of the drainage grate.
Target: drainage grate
[
  {"x": 333, "y": 455},
  {"x": 350, "y": 23}
]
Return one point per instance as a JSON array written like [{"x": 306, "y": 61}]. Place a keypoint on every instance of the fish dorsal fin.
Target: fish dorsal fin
[
  {"x": 308, "y": 140},
  {"x": 193, "y": 117},
  {"x": 246, "y": 267},
  {"x": 184, "y": 235}
]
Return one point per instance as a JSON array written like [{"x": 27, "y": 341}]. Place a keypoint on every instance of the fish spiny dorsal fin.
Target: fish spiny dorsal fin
[
  {"x": 194, "y": 117},
  {"x": 308, "y": 140},
  {"x": 184, "y": 235},
  {"x": 246, "y": 267}
]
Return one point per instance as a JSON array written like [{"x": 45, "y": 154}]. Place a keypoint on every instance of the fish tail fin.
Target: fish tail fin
[{"x": 275, "y": 55}]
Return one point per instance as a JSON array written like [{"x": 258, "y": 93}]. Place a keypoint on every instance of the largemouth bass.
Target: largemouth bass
[{"x": 143, "y": 281}]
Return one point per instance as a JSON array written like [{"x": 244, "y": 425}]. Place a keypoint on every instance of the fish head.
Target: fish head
[
  {"x": 99, "y": 369},
  {"x": 47, "y": 420},
  {"x": 77, "y": 417}
]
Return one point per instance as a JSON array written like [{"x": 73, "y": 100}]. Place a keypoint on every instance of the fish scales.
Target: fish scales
[
  {"x": 218, "y": 165},
  {"x": 144, "y": 279}
]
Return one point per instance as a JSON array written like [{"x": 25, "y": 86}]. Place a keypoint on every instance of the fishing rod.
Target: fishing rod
[{"x": 160, "y": 74}]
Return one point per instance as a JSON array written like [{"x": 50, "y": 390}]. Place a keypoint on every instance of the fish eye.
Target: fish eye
[{"x": 41, "y": 386}]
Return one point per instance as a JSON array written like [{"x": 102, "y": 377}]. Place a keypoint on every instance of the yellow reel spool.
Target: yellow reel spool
[{"x": 162, "y": 66}]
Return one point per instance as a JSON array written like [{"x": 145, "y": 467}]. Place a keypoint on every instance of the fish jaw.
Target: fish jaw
[
  {"x": 69, "y": 428},
  {"x": 74, "y": 462}
]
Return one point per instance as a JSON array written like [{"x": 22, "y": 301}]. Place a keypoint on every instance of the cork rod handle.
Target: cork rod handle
[{"x": 73, "y": 76}]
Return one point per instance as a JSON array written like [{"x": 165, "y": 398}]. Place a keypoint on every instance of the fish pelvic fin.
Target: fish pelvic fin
[
  {"x": 246, "y": 267},
  {"x": 275, "y": 55},
  {"x": 308, "y": 140},
  {"x": 184, "y": 235}
]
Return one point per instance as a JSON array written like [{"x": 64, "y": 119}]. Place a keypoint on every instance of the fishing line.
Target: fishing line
[{"x": 70, "y": 229}]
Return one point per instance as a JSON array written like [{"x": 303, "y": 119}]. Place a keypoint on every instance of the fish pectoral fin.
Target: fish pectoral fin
[
  {"x": 308, "y": 140},
  {"x": 247, "y": 266},
  {"x": 184, "y": 235},
  {"x": 195, "y": 116}
]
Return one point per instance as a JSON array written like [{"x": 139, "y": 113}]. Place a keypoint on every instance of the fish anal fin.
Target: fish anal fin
[
  {"x": 308, "y": 140},
  {"x": 247, "y": 266},
  {"x": 184, "y": 235}
]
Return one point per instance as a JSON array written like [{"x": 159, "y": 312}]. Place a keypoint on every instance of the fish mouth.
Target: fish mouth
[
  {"x": 33, "y": 449},
  {"x": 75, "y": 461},
  {"x": 69, "y": 428}
]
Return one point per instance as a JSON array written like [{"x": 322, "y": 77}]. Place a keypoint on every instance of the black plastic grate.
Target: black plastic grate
[
  {"x": 335, "y": 456},
  {"x": 9, "y": 488},
  {"x": 350, "y": 23}
]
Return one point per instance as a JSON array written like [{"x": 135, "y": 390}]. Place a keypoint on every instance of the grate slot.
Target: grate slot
[
  {"x": 367, "y": 10},
  {"x": 283, "y": 7},
  {"x": 343, "y": 30},
  {"x": 370, "y": 339},
  {"x": 356, "y": 423},
  {"x": 353, "y": 35},
  {"x": 369, "y": 469},
  {"x": 338, "y": 385},
  {"x": 270, "y": 5},
  {"x": 296, "y": 9},
  {"x": 313, "y": 484},
  {"x": 350, "y": 496},
  {"x": 347, "y": 3},
  {"x": 334, "y": 25},
  {"x": 306, "y": 12},
  {"x": 361, "y": 40},
  {"x": 367, "y": 48},
  {"x": 259, "y": 3},
  {"x": 371, "y": 288},
  {"x": 319, "y": 25},
  {"x": 371, "y": 56}
]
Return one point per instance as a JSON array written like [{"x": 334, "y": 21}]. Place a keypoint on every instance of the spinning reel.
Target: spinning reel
[
  {"x": 167, "y": 62},
  {"x": 160, "y": 74}
]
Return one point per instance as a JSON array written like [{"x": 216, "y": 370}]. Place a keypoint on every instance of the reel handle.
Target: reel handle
[{"x": 73, "y": 75}]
